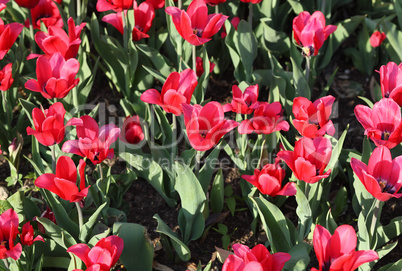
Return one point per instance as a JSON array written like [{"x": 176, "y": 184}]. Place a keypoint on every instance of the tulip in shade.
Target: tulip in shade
[
  {"x": 309, "y": 158},
  {"x": 56, "y": 77},
  {"x": 177, "y": 90},
  {"x": 256, "y": 259},
  {"x": 391, "y": 81},
  {"x": 382, "y": 124},
  {"x": 310, "y": 31},
  {"x": 132, "y": 131},
  {"x": 27, "y": 3},
  {"x": 269, "y": 180},
  {"x": 267, "y": 119},
  {"x": 195, "y": 25},
  {"x": 92, "y": 142},
  {"x": 8, "y": 35},
  {"x": 243, "y": 102},
  {"x": 312, "y": 119},
  {"x": 116, "y": 5},
  {"x": 103, "y": 256},
  {"x": 49, "y": 215},
  {"x": 214, "y": 2},
  {"x": 199, "y": 67},
  {"x": 45, "y": 11},
  {"x": 206, "y": 125},
  {"x": 144, "y": 14},
  {"x": 338, "y": 252},
  {"x": 6, "y": 79},
  {"x": 49, "y": 124},
  {"x": 8, "y": 232},
  {"x": 382, "y": 177},
  {"x": 27, "y": 235},
  {"x": 377, "y": 38},
  {"x": 57, "y": 40},
  {"x": 63, "y": 183}
]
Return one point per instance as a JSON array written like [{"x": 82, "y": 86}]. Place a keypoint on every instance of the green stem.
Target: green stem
[
  {"x": 307, "y": 190},
  {"x": 194, "y": 59},
  {"x": 53, "y": 150},
  {"x": 31, "y": 31},
  {"x": 174, "y": 137},
  {"x": 100, "y": 171},
  {"x": 307, "y": 69},
  {"x": 197, "y": 163},
  {"x": 375, "y": 217},
  {"x": 179, "y": 4},
  {"x": 79, "y": 212},
  {"x": 125, "y": 30},
  {"x": 6, "y": 264},
  {"x": 250, "y": 14},
  {"x": 79, "y": 15},
  {"x": 216, "y": 9},
  {"x": 6, "y": 107}
]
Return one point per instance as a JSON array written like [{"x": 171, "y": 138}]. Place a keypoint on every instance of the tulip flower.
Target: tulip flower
[
  {"x": 338, "y": 252},
  {"x": 103, "y": 256},
  {"x": 27, "y": 235},
  {"x": 49, "y": 124},
  {"x": 243, "y": 102},
  {"x": 309, "y": 159},
  {"x": 57, "y": 40},
  {"x": 157, "y": 4},
  {"x": 269, "y": 180},
  {"x": 27, "y": 3},
  {"x": 6, "y": 79},
  {"x": 49, "y": 215},
  {"x": 215, "y": 2},
  {"x": 3, "y": 4},
  {"x": 310, "y": 31},
  {"x": 382, "y": 124},
  {"x": 377, "y": 38},
  {"x": 144, "y": 14},
  {"x": 132, "y": 131},
  {"x": 56, "y": 77},
  {"x": 8, "y": 233},
  {"x": 45, "y": 11},
  {"x": 177, "y": 90},
  {"x": 63, "y": 183},
  {"x": 312, "y": 119},
  {"x": 115, "y": 5},
  {"x": 195, "y": 25},
  {"x": 200, "y": 66},
  {"x": 92, "y": 142},
  {"x": 391, "y": 81},
  {"x": 8, "y": 35},
  {"x": 206, "y": 125},
  {"x": 382, "y": 176},
  {"x": 257, "y": 259},
  {"x": 267, "y": 119},
  {"x": 235, "y": 22},
  {"x": 251, "y": 1}
]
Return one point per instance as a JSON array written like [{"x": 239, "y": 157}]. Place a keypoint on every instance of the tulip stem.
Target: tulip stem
[
  {"x": 307, "y": 187},
  {"x": 250, "y": 14},
  {"x": 79, "y": 212},
  {"x": 174, "y": 137},
  {"x": 194, "y": 59},
  {"x": 79, "y": 15},
  {"x": 125, "y": 37},
  {"x": 197, "y": 163},
  {"x": 6, "y": 107},
  {"x": 53, "y": 150},
  {"x": 100, "y": 171},
  {"x": 216, "y": 9},
  {"x": 179, "y": 4},
  {"x": 307, "y": 68},
  {"x": 375, "y": 217},
  {"x": 6, "y": 264},
  {"x": 31, "y": 31}
]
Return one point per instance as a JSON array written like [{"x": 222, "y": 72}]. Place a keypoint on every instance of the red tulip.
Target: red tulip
[
  {"x": 8, "y": 35},
  {"x": 235, "y": 22},
  {"x": 103, "y": 256},
  {"x": 45, "y": 11},
  {"x": 382, "y": 176},
  {"x": 243, "y": 102},
  {"x": 269, "y": 180},
  {"x": 6, "y": 79},
  {"x": 377, "y": 38},
  {"x": 177, "y": 90},
  {"x": 195, "y": 25},
  {"x": 49, "y": 215},
  {"x": 56, "y": 77},
  {"x": 132, "y": 131},
  {"x": 57, "y": 40},
  {"x": 382, "y": 124},
  {"x": 199, "y": 67},
  {"x": 144, "y": 14},
  {"x": 206, "y": 125},
  {"x": 311, "y": 31},
  {"x": 157, "y": 4},
  {"x": 214, "y": 2},
  {"x": 116, "y": 5},
  {"x": 63, "y": 183},
  {"x": 27, "y": 3},
  {"x": 309, "y": 159},
  {"x": 267, "y": 119},
  {"x": 8, "y": 233},
  {"x": 256, "y": 259},
  {"x": 338, "y": 252},
  {"x": 49, "y": 124},
  {"x": 312, "y": 119},
  {"x": 92, "y": 142},
  {"x": 251, "y": 1},
  {"x": 391, "y": 81},
  {"x": 3, "y": 4},
  {"x": 27, "y": 235}
]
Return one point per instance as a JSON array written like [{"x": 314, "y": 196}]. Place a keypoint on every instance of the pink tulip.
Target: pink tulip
[
  {"x": 391, "y": 81},
  {"x": 8, "y": 233}
]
